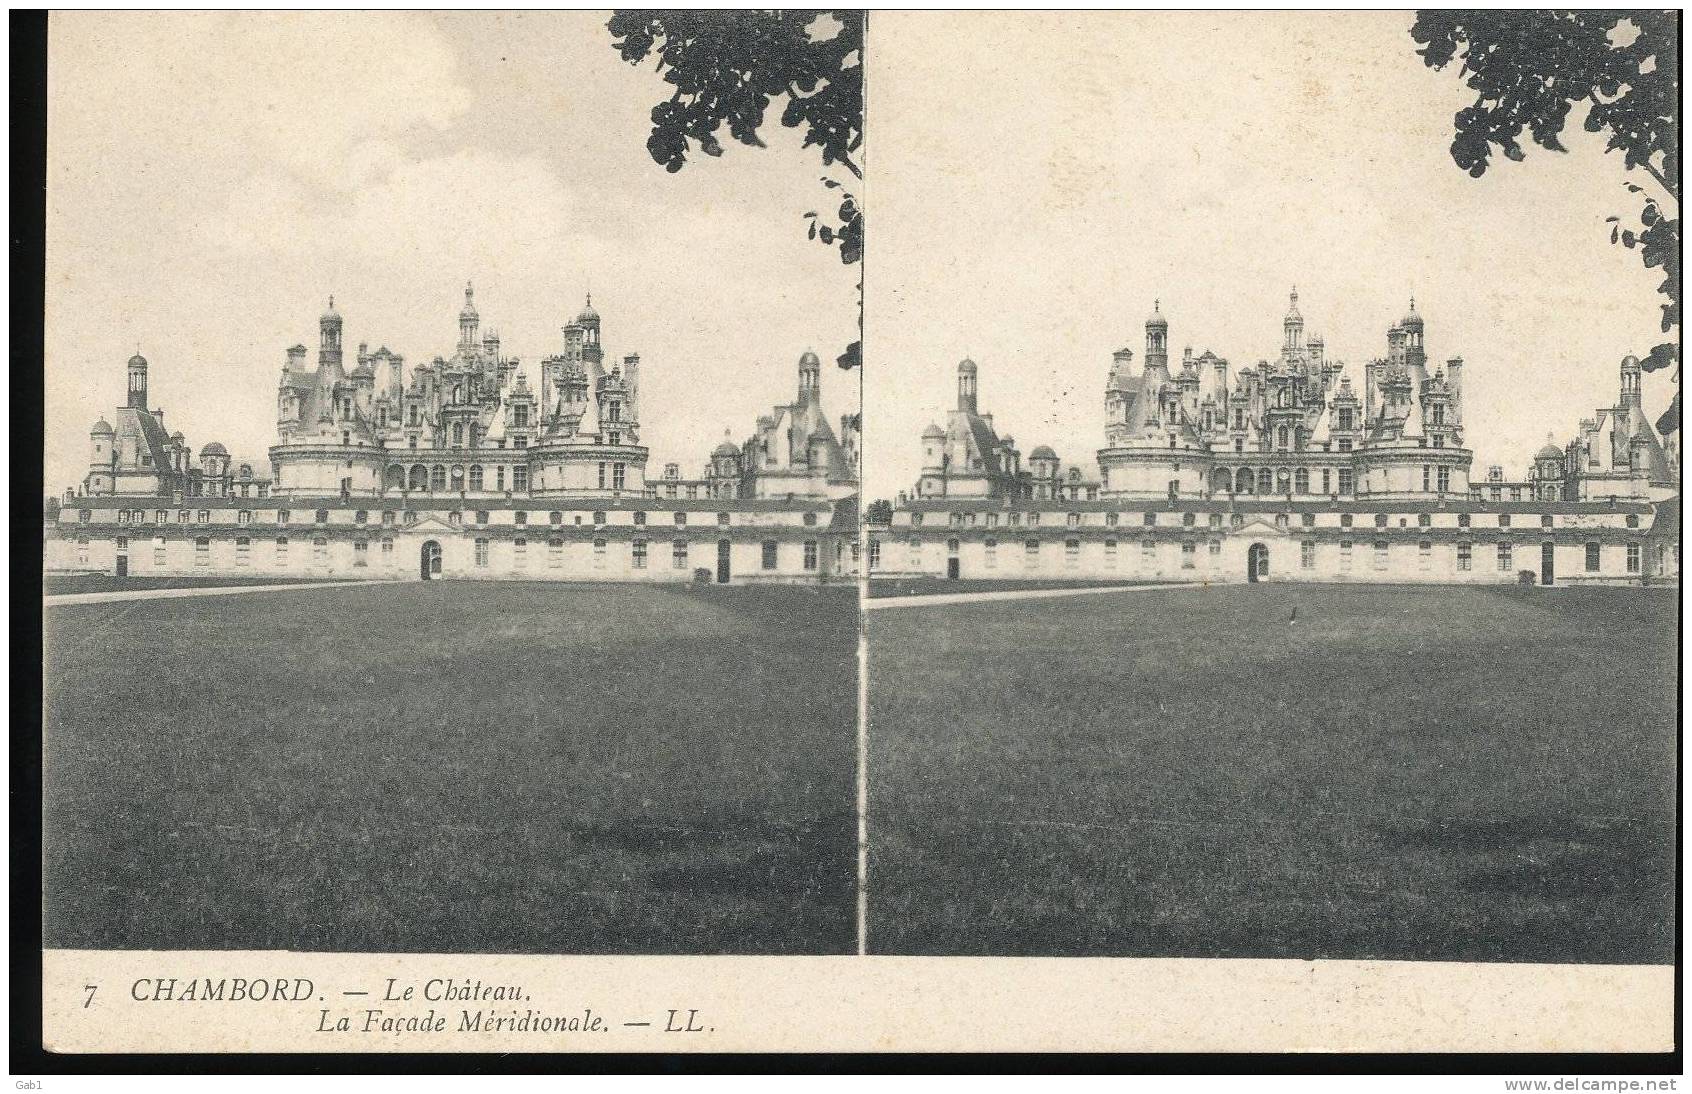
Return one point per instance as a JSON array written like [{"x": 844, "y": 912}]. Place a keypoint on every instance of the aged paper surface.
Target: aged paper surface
[{"x": 850, "y": 1004}]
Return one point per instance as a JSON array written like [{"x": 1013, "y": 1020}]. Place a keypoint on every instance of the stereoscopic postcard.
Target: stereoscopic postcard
[{"x": 860, "y": 532}]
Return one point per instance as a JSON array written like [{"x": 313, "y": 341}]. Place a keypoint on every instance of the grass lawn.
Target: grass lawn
[
  {"x": 55, "y": 584},
  {"x": 882, "y": 587},
  {"x": 454, "y": 767},
  {"x": 1404, "y": 773}
]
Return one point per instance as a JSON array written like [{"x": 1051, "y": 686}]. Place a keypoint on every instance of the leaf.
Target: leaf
[{"x": 1669, "y": 422}]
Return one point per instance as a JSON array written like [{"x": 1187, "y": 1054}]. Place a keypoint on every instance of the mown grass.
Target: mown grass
[
  {"x": 454, "y": 767},
  {"x": 55, "y": 584},
  {"x": 1402, "y": 773},
  {"x": 884, "y": 587}
]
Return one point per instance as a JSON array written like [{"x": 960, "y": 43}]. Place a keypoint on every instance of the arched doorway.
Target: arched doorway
[
  {"x": 1257, "y": 563},
  {"x": 431, "y": 560}
]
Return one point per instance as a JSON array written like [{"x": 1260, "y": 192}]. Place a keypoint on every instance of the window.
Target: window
[
  {"x": 1380, "y": 520},
  {"x": 520, "y": 553},
  {"x": 1189, "y": 554},
  {"x": 161, "y": 516},
  {"x": 83, "y": 516},
  {"x": 617, "y": 476},
  {"x": 1265, "y": 481},
  {"x": 1281, "y": 521},
  {"x": 481, "y": 516},
  {"x": 1110, "y": 552},
  {"x": 1188, "y": 520},
  {"x": 1307, "y": 555},
  {"x": 205, "y": 516},
  {"x": 520, "y": 477},
  {"x": 387, "y": 551},
  {"x": 475, "y": 476},
  {"x": 1326, "y": 489},
  {"x": 556, "y": 518},
  {"x": 1347, "y": 482},
  {"x": 678, "y": 553},
  {"x": 640, "y": 520},
  {"x": 182, "y": 516},
  {"x": 123, "y": 543},
  {"x": 1593, "y": 556},
  {"x": 1215, "y": 521},
  {"x": 1074, "y": 520},
  {"x": 1345, "y": 556},
  {"x": 599, "y": 518},
  {"x": 769, "y": 554},
  {"x": 1465, "y": 556},
  {"x": 1444, "y": 475},
  {"x": 281, "y": 550},
  {"x": 875, "y": 553},
  {"x": 1380, "y": 555},
  {"x": 1345, "y": 520},
  {"x": 602, "y": 476},
  {"x": 361, "y": 552},
  {"x": 681, "y": 520},
  {"x": 723, "y": 520},
  {"x": 322, "y": 516},
  {"x": 1503, "y": 520},
  {"x": 481, "y": 551},
  {"x": 159, "y": 557},
  {"x": 1071, "y": 552},
  {"x": 1545, "y": 520},
  {"x": 437, "y": 477},
  {"x": 1148, "y": 552},
  {"x": 1427, "y": 477},
  {"x": 202, "y": 550},
  {"x": 455, "y": 518},
  {"x": 1423, "y": 520},
  {"x": 555, "y": 553},
  {"x": 1633, "y": 558},
  {"x": 1633, "y": 520},
  {"x": 1307, "y": 520},
  {"x": 1236, "y": 520},
  {"x": 810, "y": 520},
  {"x": 599, "y": 548},
  {"x": 810, "y": 554},
  {"x": 1504, "y": 560},
  {"x": 1150, "y": 520},
  {"x": 319, "y": 550},
  {"x": 1031, "y": 551}
]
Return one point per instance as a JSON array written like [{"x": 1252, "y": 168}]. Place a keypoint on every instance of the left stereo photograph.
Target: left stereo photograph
[{"x": 451, "y": 531}]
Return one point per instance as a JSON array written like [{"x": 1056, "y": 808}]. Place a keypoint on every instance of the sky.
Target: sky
[
  {"x": 1036, "y": 181},
  {"x": 213, "y": 178}
]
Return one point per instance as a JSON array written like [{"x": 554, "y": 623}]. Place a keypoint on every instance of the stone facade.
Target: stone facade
[
  {"x": 1288, "y": 470},
  {"x": 461, "y": 467}
]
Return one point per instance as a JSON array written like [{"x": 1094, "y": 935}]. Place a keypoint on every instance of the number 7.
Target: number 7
[{"x": 90, "y": 989}]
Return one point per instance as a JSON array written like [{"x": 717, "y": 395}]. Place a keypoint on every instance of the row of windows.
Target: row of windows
[
  {"x": 389, "y": 517},
  {"x": 361, "y": 550},
  {"x": 1300, "y": 480},
  {"x": 1236, "y": 520},
  {"x": 1307, "y": 553},
  {"x": 440, "y": 478}
]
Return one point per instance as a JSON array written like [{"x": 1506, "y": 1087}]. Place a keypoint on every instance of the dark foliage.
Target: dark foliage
[
  {"x": 1530, "y": 69},
  {"x": 879, "y": 511}
]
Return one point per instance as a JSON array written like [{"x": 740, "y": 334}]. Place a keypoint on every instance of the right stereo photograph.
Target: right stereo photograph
[{"x": 1272, "y": 486}]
